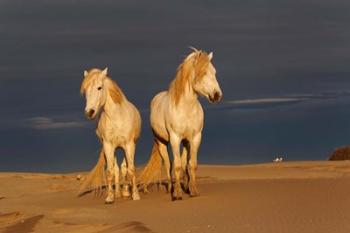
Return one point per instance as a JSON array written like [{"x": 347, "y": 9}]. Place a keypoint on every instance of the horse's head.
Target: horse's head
[
  {"x": 93, "y": 88},
  {"x": 204, "y": 80}
]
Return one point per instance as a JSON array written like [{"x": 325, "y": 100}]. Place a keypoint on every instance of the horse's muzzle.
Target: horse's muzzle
[
  {"x": 216, "y": 97},
  {"x": 90, "y": 114}
]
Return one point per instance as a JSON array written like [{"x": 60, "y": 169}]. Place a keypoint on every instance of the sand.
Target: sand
[{"x": 286, "y": 197}]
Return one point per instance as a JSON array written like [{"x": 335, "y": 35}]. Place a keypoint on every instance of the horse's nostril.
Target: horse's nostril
[
  {"x": 216, "y": 96},
  {"x": 91, "y": 112}
]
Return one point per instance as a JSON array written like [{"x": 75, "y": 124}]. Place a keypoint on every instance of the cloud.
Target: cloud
[
  {"x": 278, "y": 101},
  {"x": 290, "y": 98},
  {"x": 45, "y": 123},
  {"x": 265, "y": 101}
]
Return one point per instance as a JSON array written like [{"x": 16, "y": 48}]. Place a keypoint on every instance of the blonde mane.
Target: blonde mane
[
  {"x": 113, "y": 89},
  {"x": 195, "y": 64}
]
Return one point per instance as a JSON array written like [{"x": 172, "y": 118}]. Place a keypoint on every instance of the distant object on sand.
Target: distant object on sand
[
  {"x": 79, "y": 177},
  {"x": 278, "y": 159},
  {"x": 341, "y": 153}
]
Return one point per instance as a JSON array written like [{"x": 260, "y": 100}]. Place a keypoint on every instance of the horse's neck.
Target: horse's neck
[
  {"x": 187, "y": 98},
  {"x": 181, "y": 90},
  {"x": 112, "y": 109}
]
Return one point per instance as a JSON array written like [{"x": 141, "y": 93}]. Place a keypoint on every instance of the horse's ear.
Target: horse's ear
[
  {"x": 104, "y": 72},
  {"x": 210, "y": 55},
  {"x": 85, "y": 73}
]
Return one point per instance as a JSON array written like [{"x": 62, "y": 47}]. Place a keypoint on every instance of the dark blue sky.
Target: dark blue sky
[{"x": 283, "y": 67}]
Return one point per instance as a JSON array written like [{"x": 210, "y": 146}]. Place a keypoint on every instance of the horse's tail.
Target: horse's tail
[
  {"x": 152, "y": 170},
  {"x": 96, "y": 178}
]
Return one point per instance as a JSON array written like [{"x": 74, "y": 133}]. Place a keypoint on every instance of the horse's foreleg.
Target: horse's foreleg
[
  {"x": 109, "y": 153},
  {"x": 116, "y": 178},
  {"x": 175, "y": 146},
  {"x": 194, "y": 145},
  {"x": 130, "y": 153},
  {"x": 165, "y": 156}
]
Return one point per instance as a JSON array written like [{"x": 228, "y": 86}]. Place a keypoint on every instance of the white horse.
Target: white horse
[
  {"x": 119, "y": 126},
  {"x": 177, "y": 117}
]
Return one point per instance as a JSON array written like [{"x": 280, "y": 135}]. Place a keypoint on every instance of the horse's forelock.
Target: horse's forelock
[
  {"x": 201, "y": 65},
  {"x": 200, "y": 61},
  {"x": 88, "y": 79}
]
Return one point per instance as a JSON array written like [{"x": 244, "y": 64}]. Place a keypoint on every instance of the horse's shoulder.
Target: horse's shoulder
[{"x": 159, "y": 97}]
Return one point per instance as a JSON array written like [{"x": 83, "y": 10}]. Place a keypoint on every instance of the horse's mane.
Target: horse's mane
[
  {"x": 114, "y": 90},
  {"x": 196, "y": 63}
]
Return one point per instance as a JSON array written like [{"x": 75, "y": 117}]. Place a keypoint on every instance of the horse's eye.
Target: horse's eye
[{"x": 99, "y": 88}]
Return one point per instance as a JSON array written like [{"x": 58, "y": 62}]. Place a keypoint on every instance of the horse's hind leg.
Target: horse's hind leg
[
  {"x": 129, "y": 154},
  {"x": 116, "y": 179},
  {"x": 165, "y": 156},
  {"x": 125, "y": 182}
]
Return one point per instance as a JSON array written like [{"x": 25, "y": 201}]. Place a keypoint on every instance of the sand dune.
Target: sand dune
[{"x": 284, "y": 197}]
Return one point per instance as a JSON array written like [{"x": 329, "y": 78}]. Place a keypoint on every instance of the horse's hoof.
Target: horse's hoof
[
  {"x": 109, "y": 200},
  {"x": 177, "y": 198},
  {"x": 136, "y": 196},
  {"x": 193, "y": 190},
  {"x": 194, "y": 194},
  {"x": 177, "y": 193}
]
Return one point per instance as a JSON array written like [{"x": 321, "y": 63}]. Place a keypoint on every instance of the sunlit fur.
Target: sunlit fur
[
  {"x": 177, "y": 117},
  {"x": 119, "y": 126},
  {"x": 194, "y": 66},
  {"x": 114, "y": 90}
]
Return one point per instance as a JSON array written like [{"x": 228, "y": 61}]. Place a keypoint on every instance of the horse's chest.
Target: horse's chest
[
  {"x": 112, "y": 131},
  {"x": 188, "y": 123}
]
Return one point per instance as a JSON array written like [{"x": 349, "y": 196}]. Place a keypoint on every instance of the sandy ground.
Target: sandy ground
[{"x": 286, "y": 197}]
